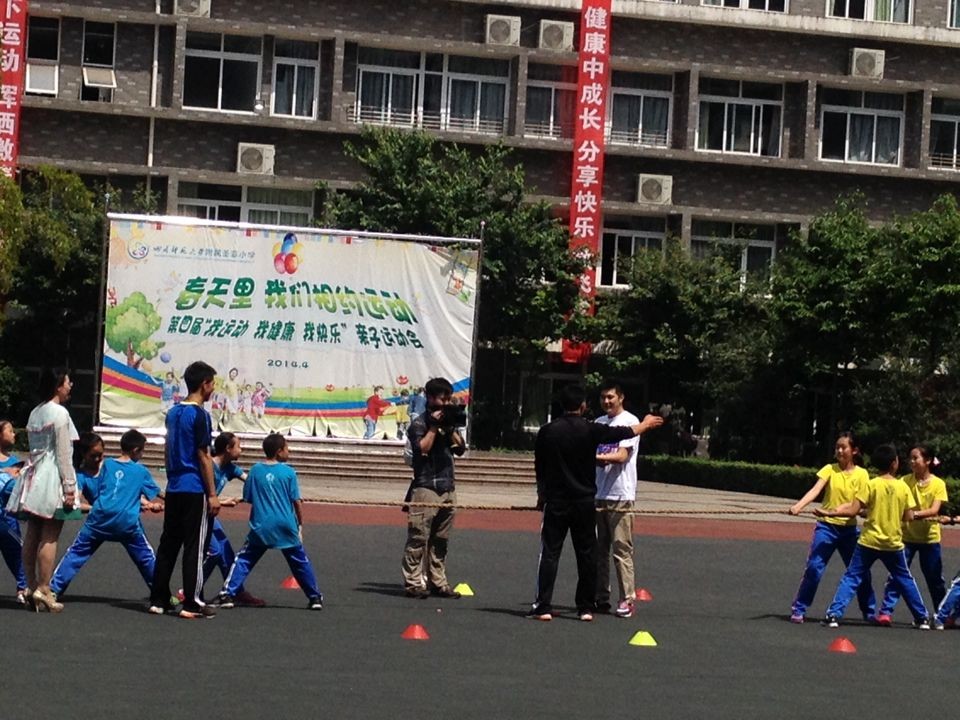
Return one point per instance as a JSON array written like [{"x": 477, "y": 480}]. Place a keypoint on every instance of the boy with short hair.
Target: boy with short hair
[
  {"x": 889, "y": 504},
  {"x": 191, "y": 497},
  {"x": 273, "y": 492},
  {"x": 115, "y": 494}
]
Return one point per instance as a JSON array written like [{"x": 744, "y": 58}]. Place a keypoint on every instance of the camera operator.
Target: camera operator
[{"x": 434, "y": 440}]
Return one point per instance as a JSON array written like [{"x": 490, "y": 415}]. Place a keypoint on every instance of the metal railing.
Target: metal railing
[{"x": 376, "y": 115}]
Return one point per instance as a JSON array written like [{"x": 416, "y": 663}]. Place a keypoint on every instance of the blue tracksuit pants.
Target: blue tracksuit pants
[
  {"x": 11, "y": 547},
  {"x": 219, "y": 553},
  {"x": 931, "y": 565},
  {"x": 87, "y": 543},
  {"x": 828, "y": 538},
  {"x": 858, "y": 572},
  {"x": 251, "y": 553},
  {"x": 951, "y": 602}
]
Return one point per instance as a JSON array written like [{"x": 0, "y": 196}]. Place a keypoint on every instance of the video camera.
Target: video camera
[{"x": 453, "y": 417}]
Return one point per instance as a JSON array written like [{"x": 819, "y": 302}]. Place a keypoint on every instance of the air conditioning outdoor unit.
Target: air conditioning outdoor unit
[
  {"x": 255, "y": 159},
  {"x": 866, "y": 63},
  {"x": 503, "y": 30},
  {"x": 655, "y": 189},
  {"x": 556, "y": 35},
  {"x": 192, "y": 8}
]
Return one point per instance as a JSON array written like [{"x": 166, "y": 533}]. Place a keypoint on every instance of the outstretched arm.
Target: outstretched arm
[{"x": 812, "y": 494}]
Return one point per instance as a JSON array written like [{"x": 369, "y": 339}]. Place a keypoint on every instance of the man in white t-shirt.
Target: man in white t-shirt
[{"x": 616, "y": 492}]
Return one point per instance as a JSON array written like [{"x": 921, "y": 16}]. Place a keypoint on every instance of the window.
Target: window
[
  {"x": 640, "y": 108},
  {"x": 944, "y": 126},
  {"x": 768, "y": 5},
  {"x": 954, "y": 19},
  {"x": 99, "y": 78},
  {"x": 897, "y": 11},
  {"x": 740, "y": 117},
  {"x": 757, "y": 243},
  {"x": 551, "y": 101},
  {"x": 222, "y": 72},
  {"x": 862, "y": 127},
  {"x": 43, "y": 56},
  {"x": 296, "y": 66},
  {"x": 232, "y": 203},
  {"x": 618, "y": 247},
  {"x": 431, "y": 90}
]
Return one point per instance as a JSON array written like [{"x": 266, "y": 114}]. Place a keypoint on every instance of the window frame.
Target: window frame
[
  {"x": 953, "y": 15},
  {"x": 869, "y": 9},
  {"x": 745, "y": 243},
  {"x": 635, "y": 237},
  {"x": 756, "y": 104},
  {"x": 554, "y": 129},
  {"x": 244, "y": 205},
  {"x": 222, "y": 55},
  {"x": 420, "y": 118},
  {"x": 297, "y": 63},
  {"x": 643, "y": 94},
  {"x": 955, "y": 121},
  {"x": 42, "y": 62},
  {"x": 745, "y": 5},
  {"x": 862, "y": 110}
]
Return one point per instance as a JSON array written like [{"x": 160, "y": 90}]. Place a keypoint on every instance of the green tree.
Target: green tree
[
  {"x": 129, "y": 327},
  {"x": 414, "y": 184}
]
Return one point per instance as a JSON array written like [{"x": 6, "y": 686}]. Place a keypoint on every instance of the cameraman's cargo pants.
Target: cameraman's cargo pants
[{"x": 428, "y": 529}]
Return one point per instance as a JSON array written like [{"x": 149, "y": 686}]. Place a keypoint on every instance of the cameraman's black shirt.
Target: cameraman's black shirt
[
  {"x": 566, "y": 457},
  {"x": 435, "y": 469}
]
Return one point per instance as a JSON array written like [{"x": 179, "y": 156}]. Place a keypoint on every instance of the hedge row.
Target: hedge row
[{"x": 775, "y": 480}]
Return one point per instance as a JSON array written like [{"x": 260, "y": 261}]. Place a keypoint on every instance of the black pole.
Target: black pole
[{"x": 101, "y": 310}]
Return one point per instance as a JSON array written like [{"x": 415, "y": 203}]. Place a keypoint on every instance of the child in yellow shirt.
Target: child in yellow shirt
[
  {"x": 889, "y": 504},
  {"x": 922, "y": 535}
]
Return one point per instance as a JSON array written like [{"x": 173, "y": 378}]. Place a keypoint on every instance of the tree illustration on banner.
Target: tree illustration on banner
[{"x": 129, "y": 327}]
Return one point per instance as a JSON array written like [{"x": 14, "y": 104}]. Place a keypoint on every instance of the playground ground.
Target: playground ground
[{"x": 720, "y": 591}]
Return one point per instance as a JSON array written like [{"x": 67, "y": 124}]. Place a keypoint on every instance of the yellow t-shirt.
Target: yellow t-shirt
[
  {"x": 886, "y": 501},
  {"x": 841, "y": 488},
  {"x": 924, "y": 531}
]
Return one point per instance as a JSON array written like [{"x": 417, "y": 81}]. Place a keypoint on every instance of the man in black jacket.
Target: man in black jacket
[{"x": 565, "y": 460}]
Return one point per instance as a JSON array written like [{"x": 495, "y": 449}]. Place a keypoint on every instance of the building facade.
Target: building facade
[{"x": 729, "y": 121}]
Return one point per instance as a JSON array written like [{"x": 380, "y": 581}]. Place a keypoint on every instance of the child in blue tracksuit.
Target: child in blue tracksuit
[
  {"x": 226, "y": 451},
  {"x": 11, "y": 544},
  {"x": 115, "y": 492},
  {"x": 275, "y": 519}
]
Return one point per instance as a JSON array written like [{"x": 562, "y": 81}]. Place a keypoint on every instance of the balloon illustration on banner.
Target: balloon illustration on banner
[{"x": 287, "y": 254}]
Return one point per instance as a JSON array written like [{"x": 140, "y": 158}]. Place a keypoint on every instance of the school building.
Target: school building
[{"x": 729, "y": 120}]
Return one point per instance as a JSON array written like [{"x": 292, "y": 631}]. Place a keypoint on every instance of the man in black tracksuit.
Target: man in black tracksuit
[{"x": 565, "y": 460}]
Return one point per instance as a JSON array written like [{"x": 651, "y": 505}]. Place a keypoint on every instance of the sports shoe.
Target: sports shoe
[
  {"x": 315, "y": 603},
  {"x": 883, "y": 620},
  {"x": 201, "y": 613},
  {"x": 937, "y": 625},
  {"x": 447, "y": 592},
  {"x": 157, "y": 610},
  {"x": 922, "y": 623},
  {"x": 416, "y": 592},
  {"x": 625, "y": 609},
  {"x": 585, "y": 616},
  {"x": 21, "y": 597},
  {"x": 247, "y": 599},
  {"x": 950, "y": 622},
  {"x": 796, "y": 619},
  {"x": 225, "y": 601},
  {"x": 831, "y": 621},
  {"x": 542, "y": 616}
]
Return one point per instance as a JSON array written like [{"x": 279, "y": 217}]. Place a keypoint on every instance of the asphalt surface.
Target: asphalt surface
[{"x": 719, "y": 616}]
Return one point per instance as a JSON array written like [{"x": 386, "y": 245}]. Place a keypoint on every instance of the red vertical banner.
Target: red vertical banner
[
  {"x": 13, "y": 60},
  {"x": 586, "y": 186}
]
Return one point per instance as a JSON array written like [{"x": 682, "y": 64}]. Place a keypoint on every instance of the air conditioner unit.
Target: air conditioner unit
[
  {"x": 503, "y": 30},
  {"x": 655, "y": 189},
  {"x": 556, "y": 35},
  {"x": 192, "y": 8},
  {"x": 255, "y": 159},
  {"x": 866, "y": 63}
]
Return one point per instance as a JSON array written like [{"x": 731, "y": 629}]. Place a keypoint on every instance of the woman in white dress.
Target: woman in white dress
[{"x": 47, "y": 490}]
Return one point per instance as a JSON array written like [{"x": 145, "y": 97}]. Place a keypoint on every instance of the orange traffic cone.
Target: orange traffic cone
[
  {"x": 290, "y": 584},
  {"x": 842, "y": 645},
  {"x": 643, "y": 595},
  {"x": 415, "y": 632}
]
